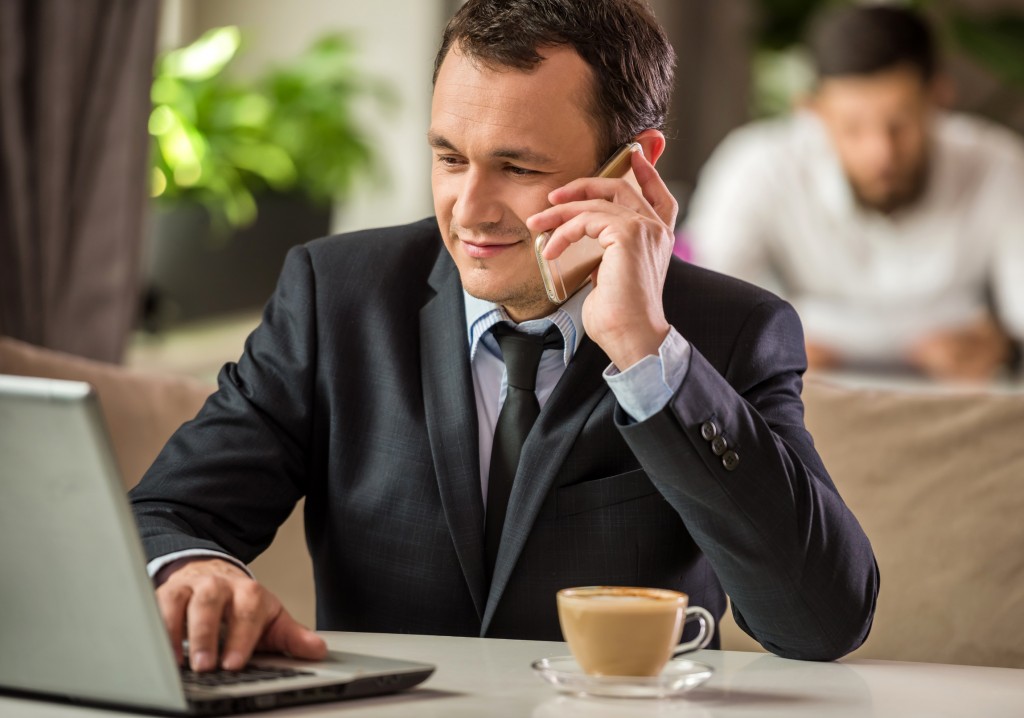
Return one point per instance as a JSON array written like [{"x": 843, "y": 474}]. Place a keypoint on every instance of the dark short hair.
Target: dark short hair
[
  {"x": 625, "y": 47},
  {"x": 865, "y": 39}
]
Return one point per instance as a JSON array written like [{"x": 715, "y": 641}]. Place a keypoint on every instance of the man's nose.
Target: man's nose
[
  {"x": 478, "y": 201},
  {"x": 883, "y": 147}
]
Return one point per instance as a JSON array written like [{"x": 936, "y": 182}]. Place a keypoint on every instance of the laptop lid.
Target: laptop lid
[{"x": 79, "y": 619}]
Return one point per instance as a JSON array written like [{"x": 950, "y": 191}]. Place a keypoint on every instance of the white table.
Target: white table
[{"x": 490, "y": 677}]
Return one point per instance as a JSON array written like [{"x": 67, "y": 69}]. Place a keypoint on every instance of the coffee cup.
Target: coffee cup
[{"x": 628, "y": 631}]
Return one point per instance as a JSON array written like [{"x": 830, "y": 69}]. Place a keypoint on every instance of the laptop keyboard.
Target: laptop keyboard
[{"x": 250, "y": 674}]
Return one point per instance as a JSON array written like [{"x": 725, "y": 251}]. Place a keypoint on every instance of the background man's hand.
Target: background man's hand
[
  {"x": 624, "y": 313},
  {"x": 975, "y": 352},
  {"x": 822, "y": 357},
  {"x": 201, "y": 595}
]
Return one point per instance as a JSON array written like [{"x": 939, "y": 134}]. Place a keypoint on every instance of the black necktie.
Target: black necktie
[{"x": 521, "y": 354}]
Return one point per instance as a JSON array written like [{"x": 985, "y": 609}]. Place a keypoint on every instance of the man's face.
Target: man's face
[
  {"x": 879, "y": 125},
  {"x": 502, "y": 139}
]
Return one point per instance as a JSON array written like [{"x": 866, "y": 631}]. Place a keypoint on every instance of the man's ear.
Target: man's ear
[{"x": 653, "y": 143}]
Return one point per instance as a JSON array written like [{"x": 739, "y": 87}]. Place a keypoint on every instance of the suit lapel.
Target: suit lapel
[
  {"x": 450, "y": 408},
  {"x": 560, "y": 422}
]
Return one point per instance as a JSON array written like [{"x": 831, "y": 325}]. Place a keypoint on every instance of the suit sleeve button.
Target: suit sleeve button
[
  {"x": 719, "y": 445},
  {"x": 708, "y": 430},
  {"x": 730, "y": 460}
]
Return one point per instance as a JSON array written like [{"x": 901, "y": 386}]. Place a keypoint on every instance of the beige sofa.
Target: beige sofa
[{"x": 936, "y": 480}]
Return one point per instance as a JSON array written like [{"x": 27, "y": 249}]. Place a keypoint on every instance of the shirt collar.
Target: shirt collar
[{"x": 481, "y": 315}]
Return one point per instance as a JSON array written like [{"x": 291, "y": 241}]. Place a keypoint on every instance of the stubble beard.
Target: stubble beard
[{"x": 898, "y": 198}]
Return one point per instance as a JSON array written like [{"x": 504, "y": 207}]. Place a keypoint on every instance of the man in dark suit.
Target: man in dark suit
[{"x": 669, "y": 449}]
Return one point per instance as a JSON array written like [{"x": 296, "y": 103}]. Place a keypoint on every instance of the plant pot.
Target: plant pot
[{"x": 193, "y": 273}]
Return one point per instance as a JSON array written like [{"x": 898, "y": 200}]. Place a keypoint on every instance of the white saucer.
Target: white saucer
[{"x": 678, "y": 676}]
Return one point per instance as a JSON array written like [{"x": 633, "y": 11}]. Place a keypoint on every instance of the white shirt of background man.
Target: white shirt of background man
[{"x": 773, "y": 207}]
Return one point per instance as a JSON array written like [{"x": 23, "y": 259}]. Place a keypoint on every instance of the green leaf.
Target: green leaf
[
  {"x": 268, "y": 161},
  {"x": 205, "y": 57}
]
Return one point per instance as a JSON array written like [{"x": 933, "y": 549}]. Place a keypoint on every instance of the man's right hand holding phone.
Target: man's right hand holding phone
[{"x": 624, "y": 313}]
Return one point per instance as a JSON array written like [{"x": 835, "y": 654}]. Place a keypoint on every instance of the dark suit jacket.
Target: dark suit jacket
[{"x": 356, "y": 392}]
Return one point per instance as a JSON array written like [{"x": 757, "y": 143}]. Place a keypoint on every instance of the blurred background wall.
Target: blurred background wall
[{"x": 737, "y": 59}]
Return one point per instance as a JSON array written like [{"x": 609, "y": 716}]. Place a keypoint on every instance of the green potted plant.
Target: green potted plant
[{"x": 242, "y": 170}]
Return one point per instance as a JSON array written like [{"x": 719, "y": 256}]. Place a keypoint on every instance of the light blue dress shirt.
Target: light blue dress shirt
[{"x": 642, "y": 390}]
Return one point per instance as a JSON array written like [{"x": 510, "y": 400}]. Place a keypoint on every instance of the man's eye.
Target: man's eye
[
  {"x": 449, "y": 160},
  {"x": 519, "y": 171}
]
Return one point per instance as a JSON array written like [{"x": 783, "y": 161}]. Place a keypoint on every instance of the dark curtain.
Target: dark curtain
[{"x": 74, "y": 102}]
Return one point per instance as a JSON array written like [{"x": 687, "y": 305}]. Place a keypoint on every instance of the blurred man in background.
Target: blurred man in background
[{"x": 896, "y": 229}]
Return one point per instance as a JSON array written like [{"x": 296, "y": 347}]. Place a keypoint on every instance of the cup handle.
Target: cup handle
[{"x": 707, "y": 630}]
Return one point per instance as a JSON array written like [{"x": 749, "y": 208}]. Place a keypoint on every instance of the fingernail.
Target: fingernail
[
  {"x": 202, "y": 661},
  {"x": 233, "y": 661}
]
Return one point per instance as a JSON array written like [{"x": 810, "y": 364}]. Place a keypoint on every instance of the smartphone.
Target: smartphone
[{"x": 564, "y": 276}]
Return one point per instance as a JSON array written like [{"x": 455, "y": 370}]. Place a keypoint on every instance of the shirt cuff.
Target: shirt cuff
[
  {"x": 646, "y": 387},
  {"x": 154, "y": 567}
]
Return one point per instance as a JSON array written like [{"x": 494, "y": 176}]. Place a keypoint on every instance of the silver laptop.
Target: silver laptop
[{"x": 78, "y": 617}]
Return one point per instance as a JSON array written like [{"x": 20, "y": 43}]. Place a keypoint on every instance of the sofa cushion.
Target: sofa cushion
[{"x": 141, "y": 409}]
